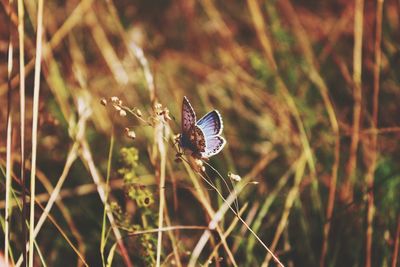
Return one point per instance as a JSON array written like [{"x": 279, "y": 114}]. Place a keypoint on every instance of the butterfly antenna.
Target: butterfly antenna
[{"x": 226, "y": 184}]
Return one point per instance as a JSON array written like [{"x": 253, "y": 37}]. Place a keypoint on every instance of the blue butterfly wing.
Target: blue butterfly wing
[
  {"x": 202, "y": 138},
  {"x": 188, "y": 116},
  {"x": 211, "y": 124},
  {"x": 214, "y": 145}
]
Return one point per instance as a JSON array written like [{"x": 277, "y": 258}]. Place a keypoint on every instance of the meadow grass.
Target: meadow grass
[{"x": 308, "y": 93}]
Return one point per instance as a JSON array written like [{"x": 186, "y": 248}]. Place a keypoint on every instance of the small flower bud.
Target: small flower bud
[
  {"x": 200, "y": 166},
  {"x": 157, "y": 106},
  {"x": 117, "y": 108},
  {"x": 165, "y": 113},
  {"x": 138, "y": 113},
  {"x": 114, "y": 99},
  {"x": 103, "y": 101},
  {"x": 199, "y": 162},
  {"x": 234, "y": 177},
  {"x": 122, "y": 113},
  {"x": 130, "y": 133}
]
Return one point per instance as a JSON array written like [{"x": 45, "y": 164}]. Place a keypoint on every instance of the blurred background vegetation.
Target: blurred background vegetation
[{"x": 309, "y": 94}]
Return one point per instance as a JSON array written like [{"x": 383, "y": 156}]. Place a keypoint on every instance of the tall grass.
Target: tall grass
[
  {"x": 21, "y": 38},
  {"x": 35, "y": 112},
  {"x": 8, "y": 188},
  {"x": 373, "y": 139},
  {"x": 308, "y": 97}
]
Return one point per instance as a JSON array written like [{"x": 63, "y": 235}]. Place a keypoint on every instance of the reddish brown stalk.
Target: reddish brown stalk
[
  {"x": 347, "y": 187},
  {"x": 331, "y": 202},
  {"x": 396, "y": 243},
  {"x": 7, "y": 213},
  {"x": 22, "y": 122},
  {"x": 374, "y": 136},
  {"x": 378, "y": 59}
]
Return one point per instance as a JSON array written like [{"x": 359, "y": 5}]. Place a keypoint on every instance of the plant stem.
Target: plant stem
[
  {"x": 9, "y": 152},
  {"x": 36, "y": 90},
  {"x": 22, "y": 120}
]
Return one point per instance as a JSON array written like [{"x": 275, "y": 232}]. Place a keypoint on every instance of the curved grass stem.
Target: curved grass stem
[{"x": 217, "y": 216}]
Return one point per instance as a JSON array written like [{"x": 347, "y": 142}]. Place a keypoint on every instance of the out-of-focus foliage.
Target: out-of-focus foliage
[{"x": 281, "y": 73}]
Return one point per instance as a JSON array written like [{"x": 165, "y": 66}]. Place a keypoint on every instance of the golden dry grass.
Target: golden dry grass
[{"x": 309, "y": 97}]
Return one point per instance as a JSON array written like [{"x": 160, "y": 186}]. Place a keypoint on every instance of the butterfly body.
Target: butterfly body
[
  {"x": 194, "y": 140},
  {"x": 202, "y": 138}
]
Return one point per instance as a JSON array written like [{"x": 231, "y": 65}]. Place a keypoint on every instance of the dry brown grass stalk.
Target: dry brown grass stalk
[
  {"x": 374, "y": 137},
  {"x": 396, "y": 243},
  {"x": 301, "y": 89},
  {"x": 36, "y": 91},
  {"x": 357, "y": 96},
  {"x": 21, "y": 38},
  {"x": 7, "y": 219}
]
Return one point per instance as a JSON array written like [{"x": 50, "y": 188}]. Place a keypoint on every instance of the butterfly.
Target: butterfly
[{"x": 201, "y": 137}]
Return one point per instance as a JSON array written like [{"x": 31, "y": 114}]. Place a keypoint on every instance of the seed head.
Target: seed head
[
  {"x": 103, "y": 101},
  {"x": 130, "y": 133},
  {"x": 234, "y": 177},
  {"x": 165, "y": 114},
  {"x": 157, "y": 106}
]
